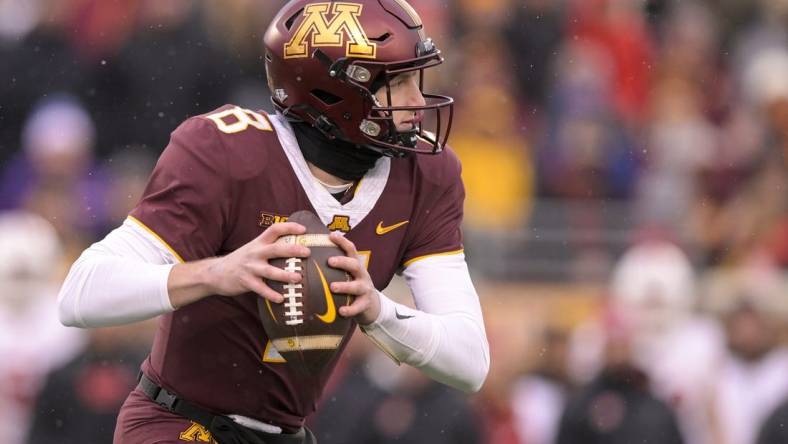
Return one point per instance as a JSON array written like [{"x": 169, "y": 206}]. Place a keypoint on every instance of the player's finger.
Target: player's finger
[
  {"x": 344, "y": 243},
  {"x": 283, "y": 250},
  {"x": 274, "y": 273},
  {"x": 258, "y": 286},
  {"x": 280, "y": 229},
  {"x": 357, "y": 307},
  {"x": 353, "y": 288},
  {"x": 349, "y": 264}
]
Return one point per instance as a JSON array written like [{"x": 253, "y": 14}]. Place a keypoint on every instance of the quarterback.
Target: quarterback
[{"x": 356, "y": 140}]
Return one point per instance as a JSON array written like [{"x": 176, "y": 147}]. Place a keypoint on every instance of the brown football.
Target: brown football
[{"x": 306, "y": 328}]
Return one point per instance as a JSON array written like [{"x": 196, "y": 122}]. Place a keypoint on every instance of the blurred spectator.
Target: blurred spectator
[
  {"x": 56, "y": 175},
  {"x": 617, "y": 30},
  {"x": 171, "y": 72},
  {"x": 774, "y": 430},
  {"x": 587, "y": 153},
  {"x": 539, "y": 398},
  {"x": 129, "y": 169},
  {"x": 680, "y": 144},
  {"x": 617, "y": 406},
  {"x": 733, "y": 17},
  {"x": 494, "y": 403},
  {"x": 101, "y": 27},
  {"x": 750, "y": 380},
  {"x": 653, "y": 287},
  {"x": 689, "y": 50},
  {"x": 729, "y": 230},
  {"x": 767, "y": 79},
  {"x": 79, "y": 402},
  {"x": 534, "y": 32},
  {"x": 235, "y": 28},
  {"x": 378, "y": 402},
  {"x": 32, "y": 341},
  {"x": 485, "y": 16},
  {"x": 18, "y": 19},
  {"x": 496, "y": 164},
  {"x": 37, "y": 61}
]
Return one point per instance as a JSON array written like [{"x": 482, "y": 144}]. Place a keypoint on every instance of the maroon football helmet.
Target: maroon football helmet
[{"x": 325, "y": 60}]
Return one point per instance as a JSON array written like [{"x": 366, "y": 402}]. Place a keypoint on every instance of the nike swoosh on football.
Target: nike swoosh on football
[
  {"x": 381, "y": 230},
  {"x": 331, "y": 310},
  {"x": 399, "y": 316}
]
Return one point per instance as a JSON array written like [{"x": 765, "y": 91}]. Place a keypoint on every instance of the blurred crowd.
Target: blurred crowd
[{"x": 624, "y": 162}]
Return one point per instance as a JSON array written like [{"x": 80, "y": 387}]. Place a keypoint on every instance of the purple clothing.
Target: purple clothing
[{"x": 20, "y": 178}]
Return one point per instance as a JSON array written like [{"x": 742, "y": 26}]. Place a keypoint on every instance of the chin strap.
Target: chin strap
[
  {"x": 408, "y": 138},
  {"x": 321, "y": 122}
]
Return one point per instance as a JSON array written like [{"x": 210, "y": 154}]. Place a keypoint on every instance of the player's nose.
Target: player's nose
[{"x": 415, "y": 96}]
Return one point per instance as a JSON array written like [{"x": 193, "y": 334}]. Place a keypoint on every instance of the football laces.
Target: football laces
[{"x": 293, "y": 295}]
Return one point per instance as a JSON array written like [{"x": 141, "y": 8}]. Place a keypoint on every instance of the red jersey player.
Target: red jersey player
[{"x": 348, "y": 142}]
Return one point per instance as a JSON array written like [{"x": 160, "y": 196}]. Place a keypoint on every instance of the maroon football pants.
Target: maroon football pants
[{"x": 142, "y": 421}]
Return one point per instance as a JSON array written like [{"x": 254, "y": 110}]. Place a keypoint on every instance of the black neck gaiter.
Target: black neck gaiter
[{"x": 336, "y": 157}]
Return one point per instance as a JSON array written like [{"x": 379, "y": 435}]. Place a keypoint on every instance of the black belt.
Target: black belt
[{"x": 224, "y": 429}]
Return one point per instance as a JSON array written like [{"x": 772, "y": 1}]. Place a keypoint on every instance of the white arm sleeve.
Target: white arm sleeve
[
  {"x": 119, "y": 280},
  {"x": 445, "y": 337}
]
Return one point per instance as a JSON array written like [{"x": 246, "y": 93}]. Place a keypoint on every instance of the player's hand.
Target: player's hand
[
  {"x": 245, "y": 269},
  {"x": 366, "y": 302}
]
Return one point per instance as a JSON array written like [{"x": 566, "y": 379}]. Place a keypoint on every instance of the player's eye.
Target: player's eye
[{"x": 402, "y": 79}]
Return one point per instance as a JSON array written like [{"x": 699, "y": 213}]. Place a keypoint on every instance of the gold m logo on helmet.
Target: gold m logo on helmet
[{"x": 331, "y": 32}]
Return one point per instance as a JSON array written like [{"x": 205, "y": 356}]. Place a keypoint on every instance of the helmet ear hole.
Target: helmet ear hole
[
  {"x": 326, "y": 97},
  {"x": 382, "y": 38},
  {"x": 291, "y": 20}
]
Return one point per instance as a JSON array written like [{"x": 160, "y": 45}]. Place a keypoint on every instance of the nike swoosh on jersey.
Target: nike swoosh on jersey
[
  {"x": 331, "y": 311},
  {"x": 399, "y": 316},
  {"x": 381, "y": 230}
]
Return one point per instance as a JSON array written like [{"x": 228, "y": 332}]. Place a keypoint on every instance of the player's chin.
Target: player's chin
[{"x": 405, "y": 127}]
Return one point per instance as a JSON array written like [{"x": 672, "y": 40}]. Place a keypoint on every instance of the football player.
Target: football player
[{"x": 350, "y": 142}]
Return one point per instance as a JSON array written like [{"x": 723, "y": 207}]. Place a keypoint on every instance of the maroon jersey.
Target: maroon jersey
[{"x": 223, "y": 179}]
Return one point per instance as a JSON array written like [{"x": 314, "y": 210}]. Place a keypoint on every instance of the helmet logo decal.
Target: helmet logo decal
[{"x": 344, "y": 22}]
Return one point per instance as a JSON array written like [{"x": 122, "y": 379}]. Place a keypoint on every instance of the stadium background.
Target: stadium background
[{"x": 625, "y": 165}]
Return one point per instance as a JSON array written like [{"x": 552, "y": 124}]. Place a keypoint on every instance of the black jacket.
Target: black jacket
[{"x": 617, "y": 408}]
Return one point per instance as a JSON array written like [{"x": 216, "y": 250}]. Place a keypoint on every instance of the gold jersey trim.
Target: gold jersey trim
[
  {"x": 418, "y": 258},
  {"x": 302, "y": 343},
  {"x": 153, "y": 233}
]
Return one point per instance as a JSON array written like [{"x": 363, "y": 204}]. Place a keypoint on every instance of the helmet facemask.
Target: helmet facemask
[{"x": 379, "y": 126}]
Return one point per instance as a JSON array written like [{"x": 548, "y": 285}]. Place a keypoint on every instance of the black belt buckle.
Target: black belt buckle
[
  {"x": 166, "y": 400},
  {"x": 159, "y": 395}
]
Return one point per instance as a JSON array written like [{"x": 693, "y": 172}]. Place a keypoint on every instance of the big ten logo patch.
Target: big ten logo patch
[
  {"x": 268, "y": 219},
  {"x": 196, "y": 433},
  {"x": 344, "y": 23},
  {"x": 340, "y": 223}
]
